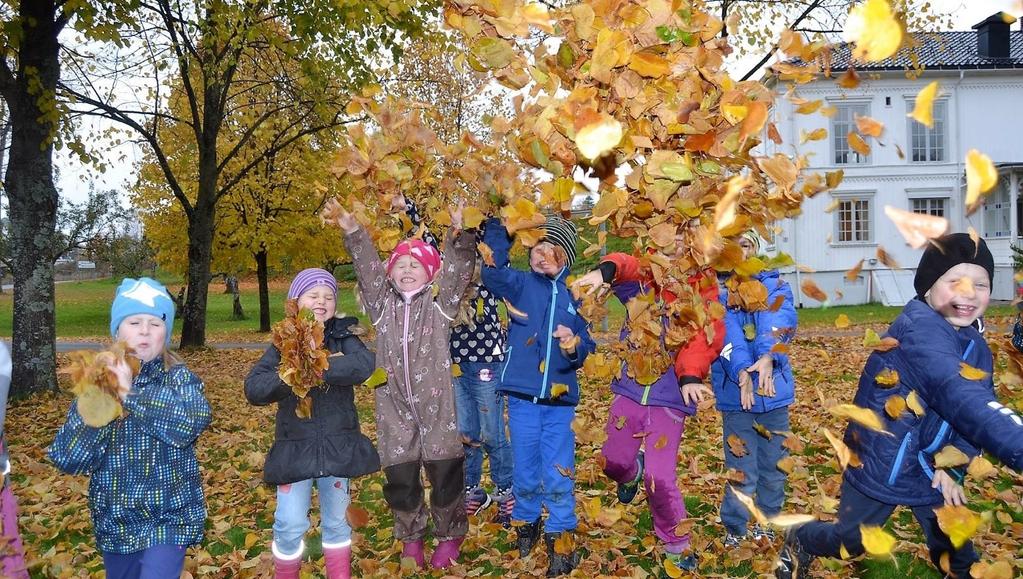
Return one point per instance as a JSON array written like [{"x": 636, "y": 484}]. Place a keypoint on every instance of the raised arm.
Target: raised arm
[
  {"x": 456, "y": 270},
  {"x": 369, "y": 271},
  {"x": 175, "y": 412},
  {"x": 501, "y": 279}
]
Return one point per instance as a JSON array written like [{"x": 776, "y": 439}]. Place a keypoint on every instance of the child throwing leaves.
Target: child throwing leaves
[
  {"x": 753, "y": 388},
  {"x": 324, "y": 450},
  {"x": 941, "y": 369},
  {"x": 12, "y": 559},
  {"x": 548, "y": 342},
  {"x": 477, "y": 347},
  {"x": 654, "y": 416},
  {"x": 413, "y": 299},
  {"x": 145, "y": 492}
]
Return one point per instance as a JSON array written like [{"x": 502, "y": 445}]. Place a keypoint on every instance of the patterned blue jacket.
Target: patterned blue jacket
[{"x": 145, "y": 487}]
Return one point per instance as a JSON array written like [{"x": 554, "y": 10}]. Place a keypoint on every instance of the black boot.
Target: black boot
[
  {"x": 528, "y": 535},
  {"x": 559, "y": 564},
  {"x": 793, "y": 562}
]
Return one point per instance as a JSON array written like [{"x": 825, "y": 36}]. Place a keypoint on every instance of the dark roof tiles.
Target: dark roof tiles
[{"x": 938, "y": 50}]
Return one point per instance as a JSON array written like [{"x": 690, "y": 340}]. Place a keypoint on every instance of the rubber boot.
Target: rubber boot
[
  {"x": 414, "y": 550},
  {"x": 528, "y": 534},
  {"x": 446, "y": 553},
  {"x": 337, "y": 561},
  {"x": 559, "y": 564},
  {"x": 287, "y": 566}
]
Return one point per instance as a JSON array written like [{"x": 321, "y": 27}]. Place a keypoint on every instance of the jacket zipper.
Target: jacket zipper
[
  {"x": 550, "y": 338},
  {"x": 408, "y": 378},
  {"x": 507, "y": 362}
]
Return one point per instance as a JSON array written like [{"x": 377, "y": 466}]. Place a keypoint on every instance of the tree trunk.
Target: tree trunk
[
  {"x": 263, "y": 274},
  {"x": 33, "y": 198},
  {"x": 238, "y": 313}
]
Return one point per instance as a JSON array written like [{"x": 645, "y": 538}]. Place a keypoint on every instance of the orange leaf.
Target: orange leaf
[
  {"x": 971, "y": 373},
  {"x": 812, "y": 291},
  {"x": 916, "y": 228}
]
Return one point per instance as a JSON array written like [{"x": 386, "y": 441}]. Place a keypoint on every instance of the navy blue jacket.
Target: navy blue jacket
[
  {"x": 767, "y": 328},
  {"x": 898, "y": 468},
  {"x": 534, "y": 362}
]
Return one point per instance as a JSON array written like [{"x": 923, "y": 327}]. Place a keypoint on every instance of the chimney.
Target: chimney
[{"x": 993, "y": 35}]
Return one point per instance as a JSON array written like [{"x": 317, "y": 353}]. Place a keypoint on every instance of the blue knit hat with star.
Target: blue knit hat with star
[{"x": 142, "y": 296}]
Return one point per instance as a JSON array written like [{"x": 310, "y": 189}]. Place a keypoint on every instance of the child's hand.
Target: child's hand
[
  {"x": 589, "y": 283},
  {"x": 340, "y": 216},
  {"x": 568, "y": 339},
  {"x": 746, "y": 398},
  {"x": 122, "y": 371},
  {"x": 694, "y": 393},
  {"x": 951, "y": 490},
  {"x": 765, "y": 374},
  {"x": 398, "y": 203},
  {"x": 456, "y": 217}
]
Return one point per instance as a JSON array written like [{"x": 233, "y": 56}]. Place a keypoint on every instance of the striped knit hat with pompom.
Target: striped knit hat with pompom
[{"x": 562, "y": 233}]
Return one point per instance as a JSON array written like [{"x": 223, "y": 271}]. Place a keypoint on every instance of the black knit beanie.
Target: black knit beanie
[
  {"x": 947, "y": 252},
  {"x": 562, "y": 233}
]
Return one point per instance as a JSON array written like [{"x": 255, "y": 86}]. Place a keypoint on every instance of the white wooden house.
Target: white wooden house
[{"x": 980, "y": 76}]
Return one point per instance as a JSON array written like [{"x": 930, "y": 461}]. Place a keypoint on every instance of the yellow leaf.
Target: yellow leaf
[
  {"x": 998, "y": 570},
  {"x": 923, "y": 109},
  {"x": 762, "y": 430},
  {"x": 842, "y": 321},
  {"x": 250, "y": 540},
  {"x": 620, "y": 423},
  {"x": 512, "y": 310},
  {"x": 887, "y": 378},
  {"x": 814, "y": 135},
  {"x": 542, "y": 366},
  {"x": 599, "y": 136},
  {"x": 661, "y": 442},
  {"x": 980, "y": 468},
  {"x": 874, "y": 30},
  {"x": 949, "y": 457},
  {"x": 456, "y": 370},
  {"x": 862, "y": 416},
  {"x": 916, "y": 228},
  {"x": 895, "y": 406},
  {"x": 564, "y": 544},
  {"x": 809, "y": 107},
  {"x": 981, "y": 177},
  {"x": 958, "y": 522},
  {"x": 914, "y": 403},
  {"x": 734, "y": 113},
  {"x": 736, "y": 446},
  {"x": 558, "y": 389},
  {"x": 856, "y": 143},
  {"x": 846, "y": 457},
  {"x": 649, "y": 65},
  {"x": 876, "y": 541},
  {"x": 671, "y": 569},
  {"x": 750, "y": 505},
  {"x": 791, "y": 519},
  {"x": 971, "y": 373},
  {"x": 472, "y": 217},
  {"x": 377, "y": 378},
  {"x": 843, "y": 552},
  {"x": 869, "y": 126},
  {"x": 786, "y": 465}
]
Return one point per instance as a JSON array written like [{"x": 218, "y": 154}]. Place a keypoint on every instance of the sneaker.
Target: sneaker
[
  {"x": 760, "y": 532},
  {"x": 476, "y": 500},
  {"x": 505, "y": 504},
  {"x": 793, "y": 562},
  {"x": 559, "y": 564},
  {"x": 683, "y": 561},
  {"x": 627, "y": 491},
  {"x": 528, "y": 534},
  {"x": 734, "y": 541}
]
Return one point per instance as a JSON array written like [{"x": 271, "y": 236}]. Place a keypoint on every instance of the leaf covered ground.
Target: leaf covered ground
[{"x": 616, "y": 540}]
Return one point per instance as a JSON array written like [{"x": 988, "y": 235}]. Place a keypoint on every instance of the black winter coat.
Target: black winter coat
[{"x": 329, "y": 443}]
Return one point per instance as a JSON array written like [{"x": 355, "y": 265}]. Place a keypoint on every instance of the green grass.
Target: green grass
[{"x": 874, "y": 313}]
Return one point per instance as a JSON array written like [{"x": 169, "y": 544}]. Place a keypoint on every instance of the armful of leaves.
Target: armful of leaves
[
  {"x": 174, "y": 411},
  {"x": 95, "y": 385},
  {"x": 299, "y": 339}
]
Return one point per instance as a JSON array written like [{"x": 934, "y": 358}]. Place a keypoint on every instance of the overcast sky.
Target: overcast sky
[{"x": 74, "y": 179}]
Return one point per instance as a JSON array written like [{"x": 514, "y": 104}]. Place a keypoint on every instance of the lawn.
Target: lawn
[{"x": 616, "y": 540}]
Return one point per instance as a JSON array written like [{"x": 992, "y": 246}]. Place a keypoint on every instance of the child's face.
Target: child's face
[
  {"x": 145, "y": 335},
  {"x": 961, "y": 295},
  {"x": 748, "y": 248},
  {"x": 408, "y": 274},
  {"x": 544, "y": 258},
  {"x": 321, "y": 301}
]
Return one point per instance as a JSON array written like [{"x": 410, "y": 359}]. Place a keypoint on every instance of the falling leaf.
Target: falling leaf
[
  {"x": 762, "y": 430},
  {"x": 736, "y": 446},
  {"x": 913, "y": 401},
  {"x": 894, "y": 406},
  {"x": 916, "y": 228},
  {"x": 981, "y": 177},
  {"x": 812, "y": 291},
  {"x": 849, "y": 79},
  {"x": 543, "y": 366},
  {"x": 809, "y": 107},
  {"x": 854, "y": 273},
  {"x": 750, "y": 505},
  {"x": 377, "y": 378},
  {"x": 515, "y": 311},
  {"x": 886, "y": 259},
  {"x": 842, "y": 321},
  {"x": 874, "y": 31},
  {"x": 786, "y": 465},
  {"x": 958, "y": 522},
  {"x": 620, "y": 423},
  {"x": 856, "y": 143},
  {"x": 818, "y": 134},
  {"x": 598, "y": 136},
  {"x": 724, "y": 213},
  {"x": 862, "y": 416},
  {"x": 996, "y": 570},
  {"x": 980, "y": 468},
  {"x": 846, "y": 457},
  {"x": 923, "y": 109},
  {"x": 558, "y": 389},
  {"x": 472, "y": 217},
  {"x": 661, "y": 442},
  {"x": 791, "y": 519},
  {"x": 870, "y": 338},
  {"x": 749, "y": 331},
  {"x": 565, "y": 472},
  {"x": 888, "y": 377},
  {"x": 876, "y": 541},
  {"x": 869, "y": 126},
  {"x": 971, "y": 373},
  {"x": 456, "y": 371},
  {"x": 949, "y": 457}
]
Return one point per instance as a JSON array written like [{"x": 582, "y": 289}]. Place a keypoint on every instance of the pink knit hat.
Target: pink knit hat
[{"x": 426, "y": 254}]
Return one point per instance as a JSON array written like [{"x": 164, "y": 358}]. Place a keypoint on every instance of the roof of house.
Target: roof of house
[{"x": 937, "y": 50}]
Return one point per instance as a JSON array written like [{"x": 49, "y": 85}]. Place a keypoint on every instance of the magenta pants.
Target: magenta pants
[
  {"x": 663, "y": 429},
  {"x": 13, "y": 553}
]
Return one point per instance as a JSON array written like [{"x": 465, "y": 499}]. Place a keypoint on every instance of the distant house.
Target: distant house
[{"x": 980, "y": 76}]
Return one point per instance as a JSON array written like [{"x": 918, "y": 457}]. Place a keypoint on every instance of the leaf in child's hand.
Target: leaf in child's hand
[
  {"x": 358, "y": 517},
  {"x": 894, "y": 406},
  {"x": 456, "y": 371},
  {"x": 377, "y": 378},
  {"x": 558, "y": 390},
  {"x": 862, "y": 416},
  {"x": 958, "y": 522},
  {"x": 887, "y": 378},
  {"x": 98, "y": 408},
  {"x": 620, "y": 423},
  {"x": 762, "y": 430},
  {"x": 876, "y": 541},
  {"x": 949, "y": 457},
  {"x": 737, "y": 446},
  {"x": 913, "y": 401},
  {"x": 971, "y": 373},
  {"x": 980, "y": 468}
]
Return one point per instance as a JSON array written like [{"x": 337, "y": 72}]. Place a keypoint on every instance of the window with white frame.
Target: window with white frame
[
  {"x": 928, "y": 145},
  {"x": 842, "y": 123},
  {"x": 997, "y": 208},
  {"x": 937, "y": 206},
  {"x": 854, "y": 220}
]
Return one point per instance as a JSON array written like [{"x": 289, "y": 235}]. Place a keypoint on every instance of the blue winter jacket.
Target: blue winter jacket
[
  {"x": 898, "y": 467},
  {"x": 145, "y": 488},
  {"x": 534, "y": 362},
  {"x": 765, "y": 329}
]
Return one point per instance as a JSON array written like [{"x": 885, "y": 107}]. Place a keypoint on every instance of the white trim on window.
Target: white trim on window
[
  {"x": 842, "y": 123},
  {"x": 857, "y": 209},
  {"x": 932, "y": 144}
]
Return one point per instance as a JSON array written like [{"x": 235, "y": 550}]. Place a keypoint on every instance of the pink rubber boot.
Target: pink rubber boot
[
  {"x": 338, "y": 561},
  {"x": 414, "y": 550},
  {"x": 287, "y": 566},
  {"x": 447, "y": 553}
]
